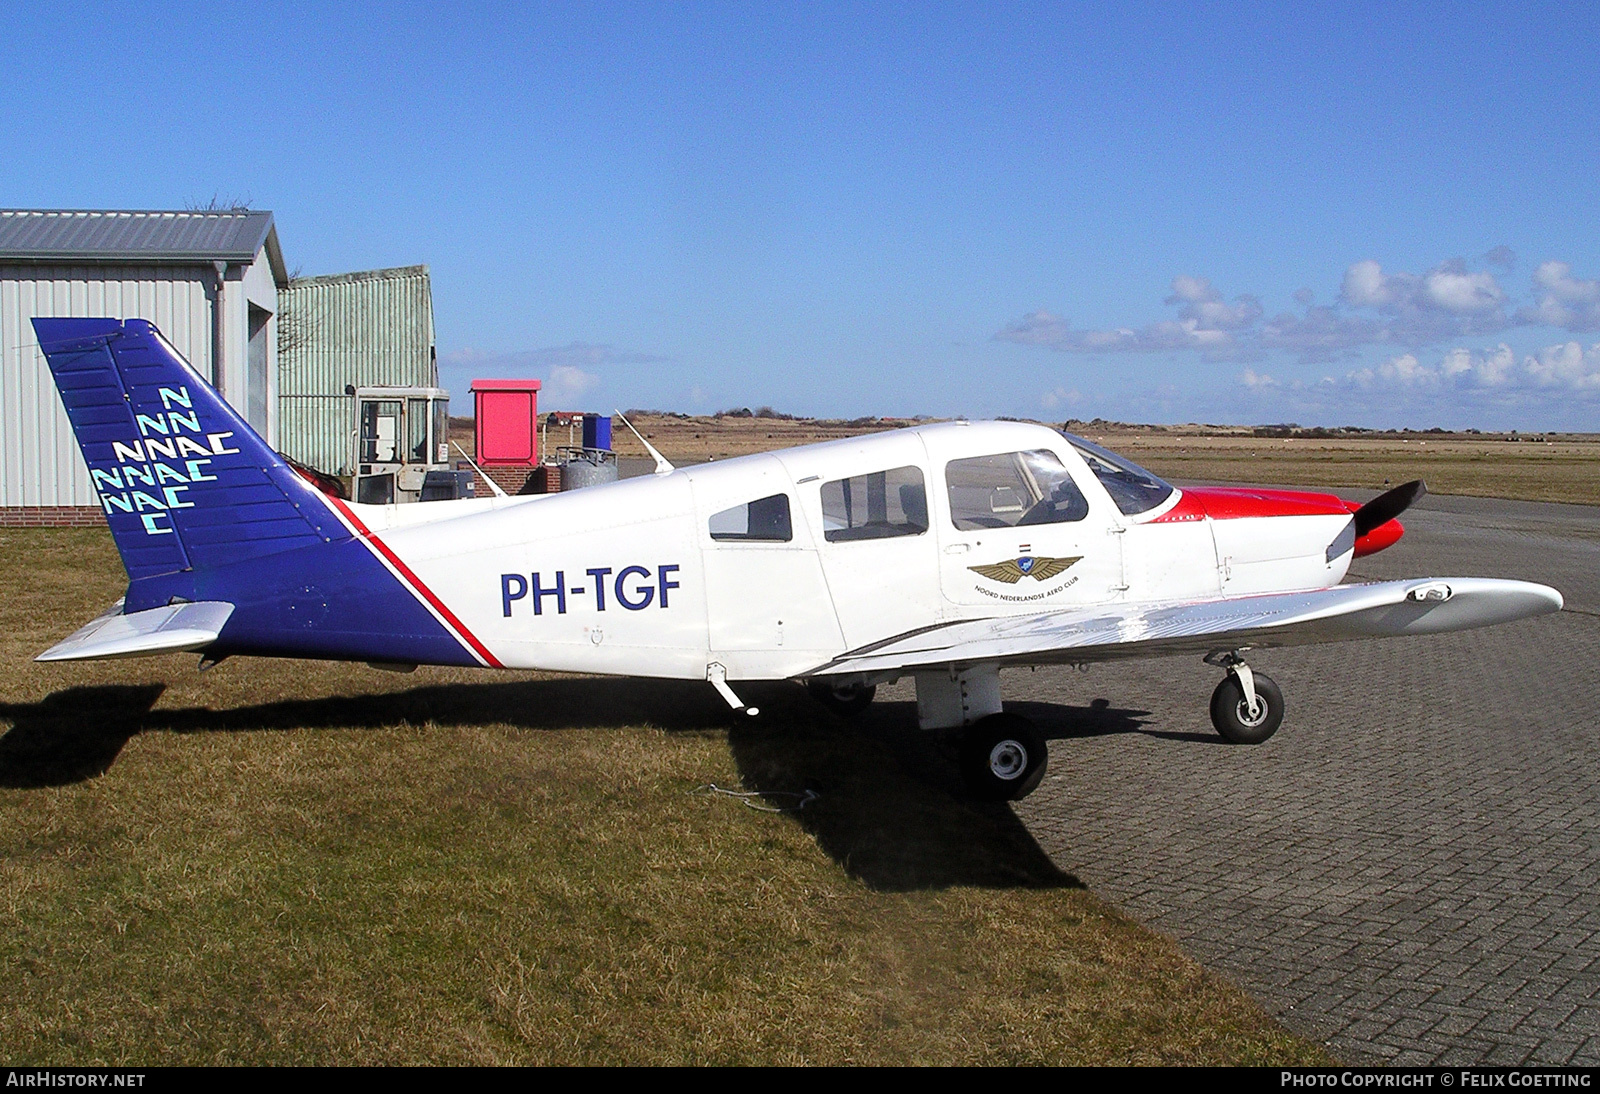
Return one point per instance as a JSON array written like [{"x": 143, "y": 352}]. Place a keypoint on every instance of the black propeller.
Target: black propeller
[{"x": 1388, "y": 505}]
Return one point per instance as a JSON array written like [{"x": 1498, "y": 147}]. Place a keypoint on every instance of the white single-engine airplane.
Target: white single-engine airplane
[{"x": 943, "y": 552}]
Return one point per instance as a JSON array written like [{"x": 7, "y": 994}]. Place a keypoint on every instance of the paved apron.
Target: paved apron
[{"x": 1410, "y": 869}]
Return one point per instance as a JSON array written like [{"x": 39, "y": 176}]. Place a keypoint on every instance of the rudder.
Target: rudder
[{"x": 184, "y": 482}]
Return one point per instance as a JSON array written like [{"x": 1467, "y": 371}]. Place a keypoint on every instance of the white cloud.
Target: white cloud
[
  {"x": 1459, "y": 291},
  {"x": 1205, "y": 309},
  {"x": 1256, "y": 381},
  {"x": 567, "y": 372},
  {"x": 1191, "y": 289},
  {"x": 1567, "y": 301},
  {"x": 1404, "y": 371},
  {"x": 1367, "y": 286},
  {"x": 1060, "y": 396},
  {"x": 1039, "y": 329},
  {"x": 1205, "y": 322},
  {"x": 1557, "y": 279},
  {"x": 564, "y": 383},
  {"x": 1449, "y": 303},
  {"x": 1321, "y": 334},
  {"x": 575, "y": 354},
  {"x": 1486, "y": 368},
  {"x": 1567, "y": 366},
  {"x": 1450, "y": 288}
]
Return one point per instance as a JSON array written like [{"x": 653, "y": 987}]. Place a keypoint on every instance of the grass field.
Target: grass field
[{"x": 288, "y": 862}]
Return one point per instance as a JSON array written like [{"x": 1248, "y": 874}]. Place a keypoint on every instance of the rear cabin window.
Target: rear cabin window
[
  {"x": 876, "y": 506},
  {"x": 765, "y": 520},
  {"x": 1134, "y": 489},
  {"x": 1012, "y": 489}
]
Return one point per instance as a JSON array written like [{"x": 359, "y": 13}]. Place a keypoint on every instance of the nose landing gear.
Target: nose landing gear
[{"x": 1247, "y": 707}]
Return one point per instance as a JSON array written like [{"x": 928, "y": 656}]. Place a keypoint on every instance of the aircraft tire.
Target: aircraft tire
[
  {"x": 846, "y": 702},
  {"x": 1002, "y": 758},
  {"x": 1231, "y": 716}
]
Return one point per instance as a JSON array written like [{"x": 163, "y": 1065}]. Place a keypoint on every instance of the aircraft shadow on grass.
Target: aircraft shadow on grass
[{"x": 888, "y": 804}]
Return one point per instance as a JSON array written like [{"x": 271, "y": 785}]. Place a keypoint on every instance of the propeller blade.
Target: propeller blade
[{"x": 1388, "y": 505}]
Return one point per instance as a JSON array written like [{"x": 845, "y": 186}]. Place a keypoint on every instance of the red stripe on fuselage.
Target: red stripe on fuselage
[{"x": 416, "y": 583}]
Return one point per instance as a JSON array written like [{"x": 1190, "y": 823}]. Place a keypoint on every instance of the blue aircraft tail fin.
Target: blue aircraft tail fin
[
  {"x": 210, "y": 520},
  {"x": 184, "y": 481}
]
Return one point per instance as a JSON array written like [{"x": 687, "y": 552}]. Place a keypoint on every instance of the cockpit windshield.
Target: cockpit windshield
[{"x": 1134, "y": 489}]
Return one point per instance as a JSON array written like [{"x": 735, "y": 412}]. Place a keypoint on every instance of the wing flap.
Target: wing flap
[
  {"x": 175, "y": 627},
  {"x": 1114, "y": 631}
]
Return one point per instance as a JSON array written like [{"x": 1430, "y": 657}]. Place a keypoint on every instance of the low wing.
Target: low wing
[
  {"x": 1110, "y": 632},
  {"x": 169, "y": 629}
]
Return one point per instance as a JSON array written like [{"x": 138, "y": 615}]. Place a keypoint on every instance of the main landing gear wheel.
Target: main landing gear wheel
[
  {"x": 1231, "y": 713},
  {"x": 845, "y": 700},
  {"x": 1002, "y": 757}
]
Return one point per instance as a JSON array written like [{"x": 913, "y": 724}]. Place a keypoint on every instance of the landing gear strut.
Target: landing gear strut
[
  {"x": 1247, "y": 707},
  {"x": 1002, "y": 755}
]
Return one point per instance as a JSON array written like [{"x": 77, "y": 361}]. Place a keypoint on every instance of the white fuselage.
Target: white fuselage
[{"x": 628, "y": 578}]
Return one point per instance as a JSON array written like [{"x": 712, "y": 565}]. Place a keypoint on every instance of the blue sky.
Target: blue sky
[{"x": 1333, "y": 214}]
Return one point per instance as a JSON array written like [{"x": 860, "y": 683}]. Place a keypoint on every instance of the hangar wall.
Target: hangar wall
[
  {"x": 357, "y": 329},
  {"x": 40, "y": 465},
  {"x": 280, "y": 351},
  {"x": 207, "y": 278}
]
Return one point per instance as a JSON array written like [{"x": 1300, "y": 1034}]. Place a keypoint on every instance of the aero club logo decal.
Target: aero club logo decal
[{"x": 1014, "y": 570}]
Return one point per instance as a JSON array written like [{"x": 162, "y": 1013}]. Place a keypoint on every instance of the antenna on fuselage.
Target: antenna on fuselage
[
  {"x": 493, "y": 486},
  {"x": 663, "y": 465}
]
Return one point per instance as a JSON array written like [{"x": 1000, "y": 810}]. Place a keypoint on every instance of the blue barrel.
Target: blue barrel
[{"x": 597, "y": 432}]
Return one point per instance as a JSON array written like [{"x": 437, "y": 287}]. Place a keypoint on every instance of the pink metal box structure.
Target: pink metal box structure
[{"x": 507, "y": 429}]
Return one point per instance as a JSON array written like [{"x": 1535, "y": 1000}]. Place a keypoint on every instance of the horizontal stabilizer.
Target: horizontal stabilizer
[{"x": 175, "y": 627}]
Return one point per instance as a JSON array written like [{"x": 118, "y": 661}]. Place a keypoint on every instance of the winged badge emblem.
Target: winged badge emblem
[{"x": 1013, "y": 570}]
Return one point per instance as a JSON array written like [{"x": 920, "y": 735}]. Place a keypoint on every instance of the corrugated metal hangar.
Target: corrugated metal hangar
[
  {"x": 357, "y": 329},
  {"x": 281, "y": 351}
]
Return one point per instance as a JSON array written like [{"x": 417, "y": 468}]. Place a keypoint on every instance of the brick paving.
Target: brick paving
[{"x": 1410, "y": 869}]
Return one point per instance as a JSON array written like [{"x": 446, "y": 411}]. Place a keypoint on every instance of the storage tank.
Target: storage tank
[{"x": 591, "y": 467}]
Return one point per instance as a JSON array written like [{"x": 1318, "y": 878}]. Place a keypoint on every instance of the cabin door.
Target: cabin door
[
  {"x": 1019, "y": 533},
  {"x": 877, "y": 552}
]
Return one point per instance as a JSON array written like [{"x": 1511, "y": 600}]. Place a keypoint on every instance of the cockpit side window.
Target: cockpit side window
[
  {"x": 1012, "y": 489},
  {"x": 876, "y": 506},
  {"x": 1134, "y": 489},
  {"x": 765, "y": 520}
]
